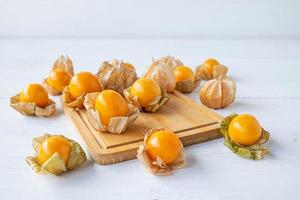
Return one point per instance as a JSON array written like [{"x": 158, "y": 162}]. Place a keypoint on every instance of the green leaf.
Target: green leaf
[{"x": 254, "y": 152}]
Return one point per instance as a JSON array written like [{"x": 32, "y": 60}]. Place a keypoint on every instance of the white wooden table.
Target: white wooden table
[{"x": 268, "y": 86}]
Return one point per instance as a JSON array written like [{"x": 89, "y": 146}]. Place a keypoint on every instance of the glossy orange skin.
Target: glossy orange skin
[
  {"x": 210, "y": 63},
  {"x": 164, "y": 144},
  {"x": 183, "y": 73},
  {"x": 83, "y": 83},
  {"x": 110, "y": 103},
  {"x": 35, "y": 93},
  {"x": 245, "y": 130},
  {"x": 146, "y": 90},
  {"x": 59, "y": 79},
  {"x": 52, "y": 145}
]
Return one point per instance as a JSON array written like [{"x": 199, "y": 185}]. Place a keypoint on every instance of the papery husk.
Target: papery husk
[
  {"x": 171, "y": 62},
  {"x": 151, "y": 107},
  {"x": 50, "y": 89},
  {"x": 218, "y": 93},
  {"x": 69, "y": 100},
  {"x": 162, "y": 73},
  {"x": 65, "y": 63},
  {"x": 203, "y": 72},
  {"x": 55, "y": 164},
  {"x": 31, "y": 108},
  {"x": 158, "y": 167},
  {"x": 115, "y": 75},
  {"x": 187, "y": 86},
  {"x": 116, "y": 124},
  {"x": 255, "y": 151}
]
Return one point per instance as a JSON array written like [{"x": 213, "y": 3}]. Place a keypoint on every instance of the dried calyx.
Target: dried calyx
[
  {"x": 210, "y": 69},
  {"x": 170, "y": 61},
  {"x": 31, "y": 108},
  {"x": 155, "y": 159},
  {"x": 116, "y": 75},
  {"x": 81, "y": 84},
  {"x": 218, "y": 93},
  {"x": 33, "y": 100},
  {"x": 70, "y": 101},
  {"x": 64, "y": 63},
  {"x": 161, "y": 72},
  {"x": 254, "y": 151},
  {"x": 152, "y": 106},
  {"x": 56, "y": 163},
  {"x": 117, "y": 124},
  {"x": 60, "y": 75},
  {"x": 186, "y": 81}
]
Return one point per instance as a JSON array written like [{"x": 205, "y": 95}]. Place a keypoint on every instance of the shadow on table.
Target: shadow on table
[
  {"x": 191, "y": 160},
  {"x": 241, "y": 104},
  {"x": 83, "y": 170}
]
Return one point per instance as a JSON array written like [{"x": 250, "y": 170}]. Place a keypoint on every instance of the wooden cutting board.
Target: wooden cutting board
[{"x": 191, "y": 121}]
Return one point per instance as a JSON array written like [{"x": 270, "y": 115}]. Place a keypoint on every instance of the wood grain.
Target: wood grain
[{"x": 192, "y": 122}]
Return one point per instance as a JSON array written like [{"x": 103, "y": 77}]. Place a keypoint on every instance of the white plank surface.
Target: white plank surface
[
  {"x": 266, "y": 72},
  {"x": 155, "y": 18}
]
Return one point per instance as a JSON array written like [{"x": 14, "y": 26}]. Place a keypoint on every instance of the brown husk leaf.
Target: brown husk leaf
[
  {"x": 158, "y": 167},
  {"x": 153, "y": 106},
  {"x": 203, "y": 73},
  {"x": 55, "y": 164},
  {"x": 255, "y": 151},
  {"x": 170, "y": 61},
  {"x": 30, "y": 108},
  {"x": 65, "y": 63},
  {"x": 187, "y": 86},
  {"x": 70, "y": 102},
  {"x": 116, "y": 76},
  {"x": 117, "y": 124},
  {"x": 162, "y": 73},
  {"x": 218, "y": 93}
]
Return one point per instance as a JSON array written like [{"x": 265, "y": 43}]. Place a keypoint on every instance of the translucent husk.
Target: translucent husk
[
  {"x": 171, "y": 62},
  {"x": 187, "y": 86},
  {"x": 162, "y": 73},
  {"x": 55, "y": 164},
  {"x": 116, "y": 124},
  {"x": 255, "y": 151},
  {"x": 65, "y": 63},
  {"x": 158, "y": 167},
  {"x": 70, "y": 102},
  {"x": 203, "y": 72},
  {"x": 31, "y": 108},
  {"x": 116, "y": 75},
  {"x": 153, "y": 106},
  {"x": 218, "y": 93}
]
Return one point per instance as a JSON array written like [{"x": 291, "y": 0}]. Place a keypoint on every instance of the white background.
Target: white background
[
  {"x": 258, "y": 40},
  {"x": 156, "y": 18}
]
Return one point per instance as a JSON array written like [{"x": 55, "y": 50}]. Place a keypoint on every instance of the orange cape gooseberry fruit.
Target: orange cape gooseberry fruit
[
  {"x": 52, "y": 145},
  {"x": 146, "y": 90},
  {"x": 58, "y": 79},
  {"x": 35, "y": 93},
  {"x": 210, "y": 63},
  {"x": 163, "y": 144},
  {"x": 183, "y": 73},
  {"x": 83, "y": 83},
  {"x": 244, "y": 130},
  {"x": 109, "y": 104}
]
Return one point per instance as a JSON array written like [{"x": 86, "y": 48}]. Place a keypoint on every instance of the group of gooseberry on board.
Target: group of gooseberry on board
[{"x": 114, "y": 97}]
